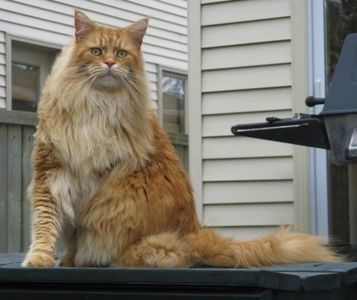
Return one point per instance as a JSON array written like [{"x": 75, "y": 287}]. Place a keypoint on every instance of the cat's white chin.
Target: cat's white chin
[{"x": 107, "y": 81}]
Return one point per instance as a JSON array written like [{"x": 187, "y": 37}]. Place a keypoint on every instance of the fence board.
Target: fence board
[
  {"x": 18, "y": 117},
  {"x": 27, "y": 143},
  {"x": 14, "y": 217},
  {"x": 16, "y": 143},
  {"x": 3, "y": 188}
]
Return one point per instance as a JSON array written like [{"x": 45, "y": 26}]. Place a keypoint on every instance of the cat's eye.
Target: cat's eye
[
  {"x": 96, "y": 51},
  {"x": 121, "y": 53}
]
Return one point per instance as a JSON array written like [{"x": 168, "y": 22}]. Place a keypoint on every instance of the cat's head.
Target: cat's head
[{"x": 108, "y": 57}]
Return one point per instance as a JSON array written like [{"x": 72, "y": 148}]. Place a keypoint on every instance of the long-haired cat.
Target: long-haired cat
[{"x": 107, "y": 178}]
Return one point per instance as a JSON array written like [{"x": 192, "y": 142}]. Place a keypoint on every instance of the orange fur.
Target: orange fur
[{"x": 107, "y": 178}]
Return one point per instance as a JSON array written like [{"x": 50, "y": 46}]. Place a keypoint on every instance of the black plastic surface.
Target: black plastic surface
[
  {"x": 295, "y": 281},
  {"x": 305, "y": 131}
]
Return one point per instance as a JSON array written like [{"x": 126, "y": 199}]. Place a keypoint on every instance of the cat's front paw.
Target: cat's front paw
[{"x": 38, "y": 259}]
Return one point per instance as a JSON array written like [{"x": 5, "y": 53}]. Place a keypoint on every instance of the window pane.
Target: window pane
[
  {"x": 341, "y": 19},
  {"x": 173, "y": 112},
  {"x": 25, "y": 82},
  {"x": 173, "y": 98}
]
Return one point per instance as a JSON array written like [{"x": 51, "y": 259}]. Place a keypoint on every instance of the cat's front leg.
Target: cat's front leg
[
  {"x": 46, "y": 213},
  {"x": 45, "y": 228}
]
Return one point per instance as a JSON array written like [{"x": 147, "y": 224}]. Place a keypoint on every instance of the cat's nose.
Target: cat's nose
[{"x": 109, "y": 63}]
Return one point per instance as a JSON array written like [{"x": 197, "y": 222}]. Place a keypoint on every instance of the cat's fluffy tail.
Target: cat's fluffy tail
[{"x": 211, "y": 249}]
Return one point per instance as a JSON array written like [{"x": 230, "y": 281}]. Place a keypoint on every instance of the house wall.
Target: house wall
[
  {"x": 51, "y": 23},
  {"x": 246, "y": 186}
]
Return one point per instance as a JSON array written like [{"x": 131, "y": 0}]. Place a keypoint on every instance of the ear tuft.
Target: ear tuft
[
  {"x": 138, "y": 29},
  {"x": 82, "y": 24}
]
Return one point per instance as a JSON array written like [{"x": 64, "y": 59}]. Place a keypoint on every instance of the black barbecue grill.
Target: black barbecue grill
[{"x": 334, "y": 128}]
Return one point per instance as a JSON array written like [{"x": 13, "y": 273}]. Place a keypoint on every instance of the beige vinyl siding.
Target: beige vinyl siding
[
  {"x": 246, "y": 55},
  {"x": 221, "y": 147},
  {"x": 243, "y": 11},
  {"x": 247, "y": 184},
  {"x": 246, "y": 33},
  {"x": 246, "y": 78},
  {"x": 260, "y": 214},
  {"x": 247, "y": 101},
  {"x": 2, "y": 71},
  {"x": 245, "y": 232},
  {"x": 51, "y": 22},
  {"x": 252, "y": 169},
  {"x": 249, "y": 192}
]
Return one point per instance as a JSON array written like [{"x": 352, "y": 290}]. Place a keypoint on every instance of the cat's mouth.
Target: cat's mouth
[
  {"x": 107, "y": 79},
  {"x": 108, "y": 74}
]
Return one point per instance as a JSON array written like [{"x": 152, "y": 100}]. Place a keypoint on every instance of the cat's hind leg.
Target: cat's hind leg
[
  {"x": 70, "y": 245},
  {"x": 164, "y": 250}
]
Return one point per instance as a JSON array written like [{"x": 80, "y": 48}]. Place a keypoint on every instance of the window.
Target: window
[
  {"x": 30, "y": 66},
  {"x": 172, "y": 110},
  {"x": 25, "y": 86}
]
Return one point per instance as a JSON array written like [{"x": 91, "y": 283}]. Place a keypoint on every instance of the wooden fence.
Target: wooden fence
[{"x": 16, "y": 142}]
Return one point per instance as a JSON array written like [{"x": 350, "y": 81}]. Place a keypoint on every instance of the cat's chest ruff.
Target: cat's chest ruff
[
  {"x": 72, "y": 191},
  {"x": 91, "y": 143}
]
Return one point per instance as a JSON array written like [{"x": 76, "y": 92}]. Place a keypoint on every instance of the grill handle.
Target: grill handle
[{"x": 312, "y": 101}]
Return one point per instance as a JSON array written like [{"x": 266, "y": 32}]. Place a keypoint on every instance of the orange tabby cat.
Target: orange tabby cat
[{"x": 107, "y": 178}]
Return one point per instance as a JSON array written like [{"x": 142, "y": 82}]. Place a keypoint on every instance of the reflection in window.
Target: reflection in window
[
  {"x": 173, "y": 86},
  {"x": 341, "y": 17},
  {"x": 25, "y": 86},
  {"x": 173, "y": 89}
]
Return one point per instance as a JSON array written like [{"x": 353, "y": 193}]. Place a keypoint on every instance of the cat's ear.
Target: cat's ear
[
  {"x": 82, "y": 24},
  {"x": 138, "y": 29}
]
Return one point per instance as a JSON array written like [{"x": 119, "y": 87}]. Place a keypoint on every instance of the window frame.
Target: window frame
[
  {"x": 181, "y": 75},
  {"x": 180, "y": 139},
  {"x": 9, "y": 40}
]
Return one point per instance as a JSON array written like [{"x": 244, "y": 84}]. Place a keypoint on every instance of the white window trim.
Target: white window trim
[
  {"x": 195, "y": 101},
  {"x": 317, "y": 88}
]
